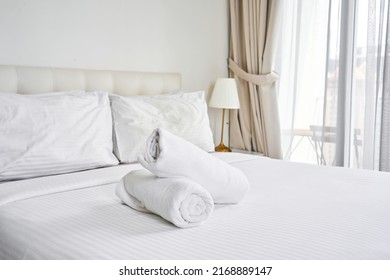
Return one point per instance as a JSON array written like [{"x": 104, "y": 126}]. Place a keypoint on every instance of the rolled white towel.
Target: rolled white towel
[
  {"x": 168, "y": 155},
  {"x": 178, "y": 200}
]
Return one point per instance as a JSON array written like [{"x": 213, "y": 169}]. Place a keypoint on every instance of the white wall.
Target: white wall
[{"x": 186, "y": 36}]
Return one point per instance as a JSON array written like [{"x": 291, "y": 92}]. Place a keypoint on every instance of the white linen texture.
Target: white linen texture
[
  {"x": 168, "y": 155},
  {"x": 53, "y": 133},
  {"x": 178, "y": 200},
  {"x": 329, "y": 214},
  {"x": 135, "y": 117}
]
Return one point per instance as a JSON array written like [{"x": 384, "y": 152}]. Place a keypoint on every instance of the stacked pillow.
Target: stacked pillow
[
  {"x": 135, "y": 117},
  {"x": 54, "y": 133}
]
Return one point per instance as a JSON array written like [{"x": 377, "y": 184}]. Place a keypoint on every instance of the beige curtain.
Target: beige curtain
[{"x": 255, "y": 126}]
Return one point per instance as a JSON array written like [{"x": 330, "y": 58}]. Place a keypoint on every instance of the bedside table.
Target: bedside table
[{"x": 247, "y": 152}]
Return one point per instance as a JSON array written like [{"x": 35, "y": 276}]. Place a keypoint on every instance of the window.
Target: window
[{"x": 332, "y": 64}]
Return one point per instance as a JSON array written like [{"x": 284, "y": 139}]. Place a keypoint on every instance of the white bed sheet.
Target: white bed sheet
[{"x": 293, "y": 211}]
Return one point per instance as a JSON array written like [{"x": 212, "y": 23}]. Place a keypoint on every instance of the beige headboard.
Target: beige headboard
[{"x": 30, "y": 80}]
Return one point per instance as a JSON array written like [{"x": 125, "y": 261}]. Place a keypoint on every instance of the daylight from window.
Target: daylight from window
[{"x": 329, "y": 58}]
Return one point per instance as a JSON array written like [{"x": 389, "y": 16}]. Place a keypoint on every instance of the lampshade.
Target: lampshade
[{"x": 225, "y": 94}]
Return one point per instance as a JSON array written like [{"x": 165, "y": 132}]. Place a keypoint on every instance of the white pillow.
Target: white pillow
[
  {"x": 54, "y": 133},
  {"x": 135, "y": 117}
]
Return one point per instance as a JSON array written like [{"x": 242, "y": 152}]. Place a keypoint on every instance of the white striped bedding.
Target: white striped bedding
[
  {"x": 54, "y": 133},
  {"x": 293, "y": 211}
]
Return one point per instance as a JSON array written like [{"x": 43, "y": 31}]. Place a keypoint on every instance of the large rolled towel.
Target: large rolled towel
[
  {"x": 168, "y": 155},
  {"x": 178, "y": 200}
]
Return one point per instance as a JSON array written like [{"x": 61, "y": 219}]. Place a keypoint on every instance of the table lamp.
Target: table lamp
[{"x": 224, "y": 96}]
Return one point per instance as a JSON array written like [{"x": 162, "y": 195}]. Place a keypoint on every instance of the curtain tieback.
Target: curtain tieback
[{"x": 261, "y": 80}]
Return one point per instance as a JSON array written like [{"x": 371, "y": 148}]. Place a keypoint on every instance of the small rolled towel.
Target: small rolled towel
[
  {"x": 168, "y": 155},
  {"x": 178, "y": 200}
]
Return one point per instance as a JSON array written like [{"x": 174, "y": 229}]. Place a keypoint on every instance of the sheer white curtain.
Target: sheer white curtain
[
  {"x": 334, "y": 99},
  {"x": 384, "y": 163}
]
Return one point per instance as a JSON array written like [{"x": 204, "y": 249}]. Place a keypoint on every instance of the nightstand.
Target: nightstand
[{"x": 247, "y": 152}]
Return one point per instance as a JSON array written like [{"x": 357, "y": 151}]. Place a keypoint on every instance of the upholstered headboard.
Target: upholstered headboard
[{"x": 30, "y": 80}]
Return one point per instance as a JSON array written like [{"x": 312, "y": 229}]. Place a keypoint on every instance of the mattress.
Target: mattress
[{"x": 293, "y": 211}]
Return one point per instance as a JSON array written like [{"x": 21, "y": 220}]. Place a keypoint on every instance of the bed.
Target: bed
[{"x": 293, "y": 210}]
